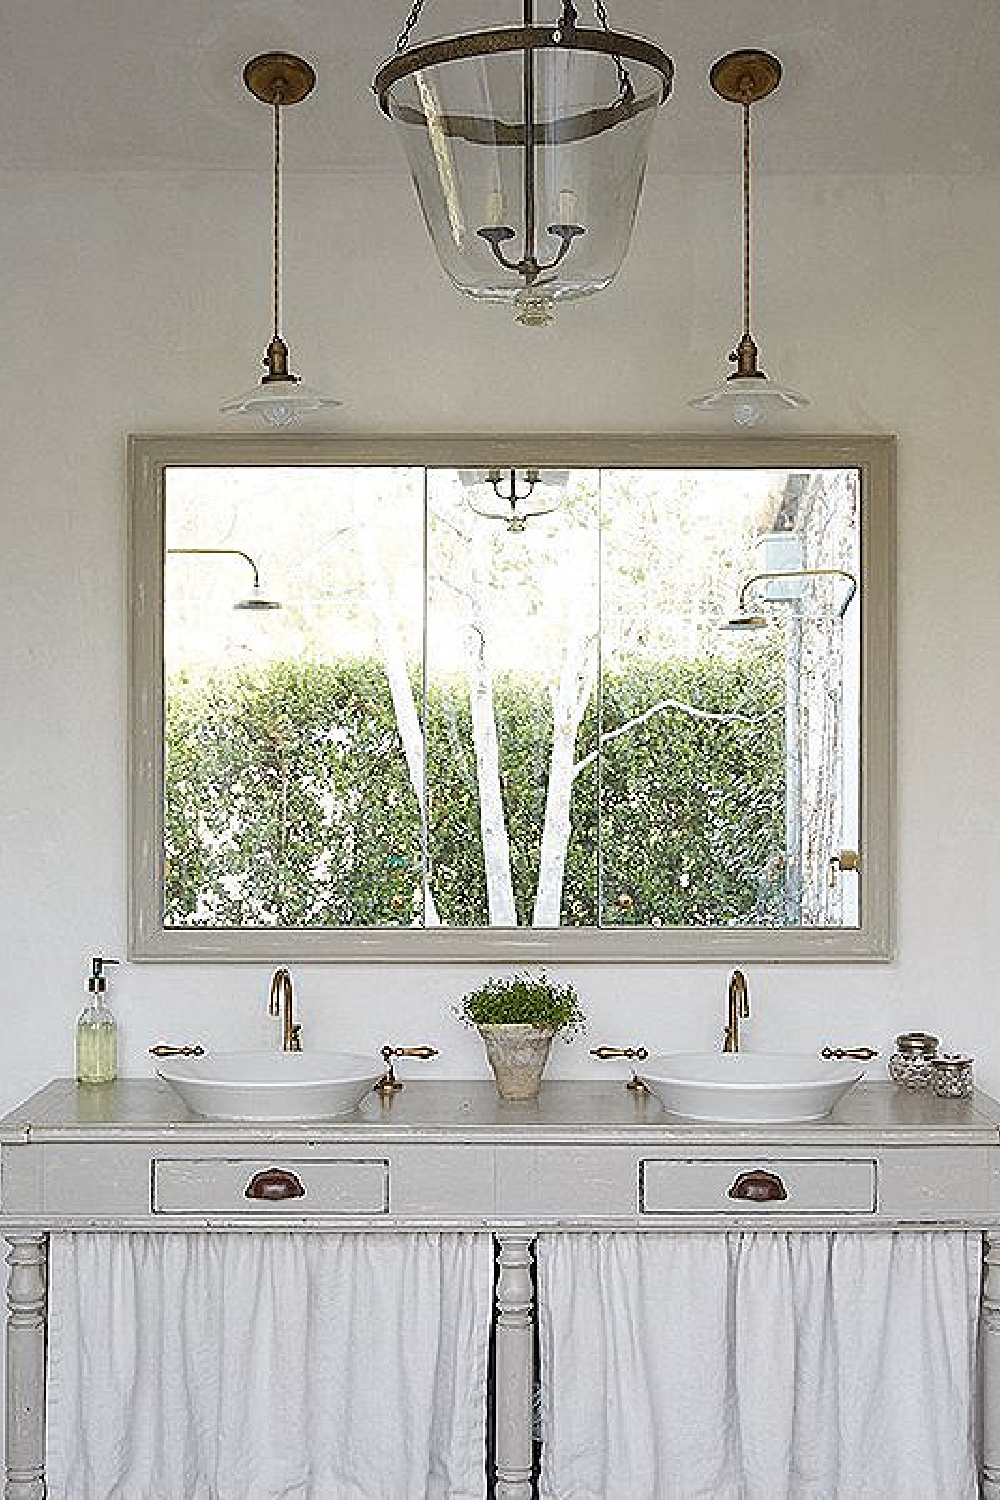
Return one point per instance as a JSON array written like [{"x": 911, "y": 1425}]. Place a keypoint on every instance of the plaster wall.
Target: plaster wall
[{"x": 137, "y": 302}]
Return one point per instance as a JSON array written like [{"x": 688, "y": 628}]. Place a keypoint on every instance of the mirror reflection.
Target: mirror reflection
[{"x": 446, "y": 697}]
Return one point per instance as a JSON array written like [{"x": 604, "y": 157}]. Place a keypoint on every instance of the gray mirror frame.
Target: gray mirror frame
[{"x": 148, "y": 939}]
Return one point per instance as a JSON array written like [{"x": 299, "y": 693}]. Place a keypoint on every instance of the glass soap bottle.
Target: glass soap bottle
[{"x": 96, "y": 1032}]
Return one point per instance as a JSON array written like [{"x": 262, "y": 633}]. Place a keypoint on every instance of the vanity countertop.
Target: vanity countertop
[{"x": 566, "y": 1111}]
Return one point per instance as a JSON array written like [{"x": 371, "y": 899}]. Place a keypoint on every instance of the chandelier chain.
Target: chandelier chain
[
  {"x": 408, "y": 25},
  {"x": 624, "y": 81}
]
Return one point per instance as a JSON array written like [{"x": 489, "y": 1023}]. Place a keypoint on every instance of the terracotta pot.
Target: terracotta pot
[{"x": 518, "y": 1054}]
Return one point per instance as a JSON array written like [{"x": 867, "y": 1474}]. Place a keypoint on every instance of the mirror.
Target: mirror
[{"x": 520, "y": 699}]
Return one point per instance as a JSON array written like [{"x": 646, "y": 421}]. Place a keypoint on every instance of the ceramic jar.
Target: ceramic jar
[
  {"x": 911, "y": 1063},
  {"x": 951, "y": 1076}
]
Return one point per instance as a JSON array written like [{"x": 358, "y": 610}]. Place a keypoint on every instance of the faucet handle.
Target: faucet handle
[
  {"x": 389, "y": 1084},
  {"x": 295, "y": 1038},
  {"x": 864, "y": 1054},
  {"x": 635, "y": 1083}
]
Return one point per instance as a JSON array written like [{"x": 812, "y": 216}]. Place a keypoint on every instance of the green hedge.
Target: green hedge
[{"x": 288, "y": 801}]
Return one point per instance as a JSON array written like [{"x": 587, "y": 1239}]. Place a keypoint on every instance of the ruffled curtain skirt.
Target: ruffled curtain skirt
[
  {"x": 268, "y": 1366},
  {"x": 759, "y": 1366}
]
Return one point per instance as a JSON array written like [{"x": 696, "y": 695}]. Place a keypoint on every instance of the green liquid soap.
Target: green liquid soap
[{"x": 96, "y": 1046}]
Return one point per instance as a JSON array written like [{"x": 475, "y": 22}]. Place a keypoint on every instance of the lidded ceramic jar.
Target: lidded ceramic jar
[
  {"x": 951, "y": 1076},
  {"x": 912, "y": 1062}
]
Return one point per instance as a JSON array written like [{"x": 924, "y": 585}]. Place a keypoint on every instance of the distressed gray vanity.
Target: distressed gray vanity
[{"x": 128, "y": 1156}]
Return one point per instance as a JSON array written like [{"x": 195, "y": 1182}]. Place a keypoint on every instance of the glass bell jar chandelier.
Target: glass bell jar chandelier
[
  {"x": 747, "y": 395},
  {"x": 278, "y": 79},
  {"x": 527, "y": 145}
]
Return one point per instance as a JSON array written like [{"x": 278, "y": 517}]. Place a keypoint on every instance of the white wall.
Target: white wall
[{"x": 136, "y": 303}]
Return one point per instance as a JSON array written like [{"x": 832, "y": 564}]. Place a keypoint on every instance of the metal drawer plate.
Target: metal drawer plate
[
  {"x": 217, "y": 1185},
  {"x": 811, "y": 1186}
]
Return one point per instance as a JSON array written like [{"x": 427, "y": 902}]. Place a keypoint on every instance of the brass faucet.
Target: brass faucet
[
  {"x": 280, "y": 1002},
  {"x": 738, "y": 1009}
]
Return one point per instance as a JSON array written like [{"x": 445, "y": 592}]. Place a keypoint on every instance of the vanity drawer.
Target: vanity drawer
[
  {"x": 227, "y": 1186},
  {"x": 755, "y": 1185}
]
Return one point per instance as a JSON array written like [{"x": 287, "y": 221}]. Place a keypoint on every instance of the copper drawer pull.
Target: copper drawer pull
[
  {"x": 758, "y": 1187},
  {"x": 274, "y": 1186}
]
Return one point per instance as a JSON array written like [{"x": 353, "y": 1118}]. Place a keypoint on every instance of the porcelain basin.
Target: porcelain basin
[
  {"x": 271, "y": 1085},
  {"x": 751, "y": 1087}
]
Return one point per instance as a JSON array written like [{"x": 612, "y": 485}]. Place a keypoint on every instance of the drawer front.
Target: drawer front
[
  {"x": 259, "y": 1185},
  {"x": 755, "y": 1185}
]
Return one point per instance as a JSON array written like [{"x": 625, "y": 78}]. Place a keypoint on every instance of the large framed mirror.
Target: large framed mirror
[{"x": 518, "y": 699}]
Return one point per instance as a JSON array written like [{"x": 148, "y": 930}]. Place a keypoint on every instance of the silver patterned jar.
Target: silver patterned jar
[
  {"x": 911, "y": 1063},
  {"x": 951, "y": 1076}
]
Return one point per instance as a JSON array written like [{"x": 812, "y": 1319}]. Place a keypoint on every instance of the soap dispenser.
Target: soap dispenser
[{"x": 96, "y": 1032}]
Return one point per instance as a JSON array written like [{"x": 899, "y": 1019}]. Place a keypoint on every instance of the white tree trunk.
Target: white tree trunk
[
  {"x": 492, "y": 817},
  {"x": 390, "y": 643},
  {"x": 576, "y": 684}
]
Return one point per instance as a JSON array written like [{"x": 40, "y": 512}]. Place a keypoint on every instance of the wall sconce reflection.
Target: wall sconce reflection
[
  {"x": 256, "y": 599},
  {"x": 746, "y": 619}
]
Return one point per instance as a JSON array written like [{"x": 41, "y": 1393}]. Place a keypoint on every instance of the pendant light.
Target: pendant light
[
  {"x": 278, "y": 79},
  {"x": 527, "y": 146},
  {"x": 747, "y": 395}
]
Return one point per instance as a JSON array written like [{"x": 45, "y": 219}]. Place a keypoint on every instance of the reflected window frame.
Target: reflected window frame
[{"x": 874, "y": 457}]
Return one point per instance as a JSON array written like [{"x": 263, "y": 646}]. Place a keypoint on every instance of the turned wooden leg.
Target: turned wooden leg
[
  {"x": 514, "y": 1370},
  {"x": 990, "y": 1367},
  {"x": 25, "y": 1449}
]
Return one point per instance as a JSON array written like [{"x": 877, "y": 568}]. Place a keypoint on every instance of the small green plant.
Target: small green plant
[{"x": 523, "y": 999}]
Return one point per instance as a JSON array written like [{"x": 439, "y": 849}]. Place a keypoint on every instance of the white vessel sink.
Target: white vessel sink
[
  {"x": 750, "y": 1087},
  {"x": 271, "y": 1085}
]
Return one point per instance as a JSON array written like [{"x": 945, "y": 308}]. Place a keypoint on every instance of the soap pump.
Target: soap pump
[{"x": 96, "y": 1032}]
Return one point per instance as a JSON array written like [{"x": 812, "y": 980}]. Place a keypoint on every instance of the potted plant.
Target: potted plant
[{"x": 517, "y": 1018}]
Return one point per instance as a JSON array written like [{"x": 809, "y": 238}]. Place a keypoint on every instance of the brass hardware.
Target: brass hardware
[
  {"x": 274, "y": 1186},
  {"x": 389, "y": 1083},
  {"x": 281, "y": 1002},
  {"x": 738, "y": 1010},
  {"x": 635, "y": 1083},
  {"x": 279, "y": 78},
  {"x": 162, "y": 1049},
  {"x": 864, "y": 1054},
  {"x": 745, "y": 77},
  {"x": 847, "y": 859},
  {"x": 758, "y": 1187}
]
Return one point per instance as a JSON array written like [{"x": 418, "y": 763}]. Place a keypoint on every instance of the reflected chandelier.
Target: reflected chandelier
[{"x": 527, "y": 147}]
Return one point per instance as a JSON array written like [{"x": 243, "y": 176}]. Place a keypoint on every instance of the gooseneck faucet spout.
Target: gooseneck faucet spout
[
  {"x": 281, "y": 1002},
  {"x": 738, "y": 1009}
]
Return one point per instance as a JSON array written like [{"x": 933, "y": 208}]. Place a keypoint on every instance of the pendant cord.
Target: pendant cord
[
  {"x": 746, "y": 219},
  {"x": 276, "y": 222}
]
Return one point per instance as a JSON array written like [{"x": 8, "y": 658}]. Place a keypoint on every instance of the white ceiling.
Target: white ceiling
[{"x": 893, "y": 86}]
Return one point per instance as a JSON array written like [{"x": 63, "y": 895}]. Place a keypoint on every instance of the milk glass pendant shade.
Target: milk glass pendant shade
[
  {"x": 747, "y": 396},
  {"x": 278, "y": 79},
  {"x": 527, "y": 147}
]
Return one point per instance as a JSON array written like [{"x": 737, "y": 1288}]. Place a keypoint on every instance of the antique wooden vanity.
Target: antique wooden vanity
[{"x": 128, "y": 1156}]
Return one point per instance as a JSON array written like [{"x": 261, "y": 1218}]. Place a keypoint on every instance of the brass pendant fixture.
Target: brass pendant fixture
[
  {"x": 748, "y": 396},
  {"x": 278, "y": 79},
  {"x": 527, "y": 147}
]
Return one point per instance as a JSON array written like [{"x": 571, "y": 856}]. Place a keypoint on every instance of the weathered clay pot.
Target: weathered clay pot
[{"x": 518, "y": 1054}]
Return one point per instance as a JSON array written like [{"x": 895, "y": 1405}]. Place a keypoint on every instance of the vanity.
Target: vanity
[{"x": 585, "y": 1156}]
